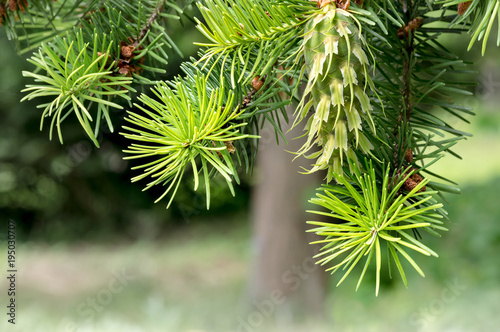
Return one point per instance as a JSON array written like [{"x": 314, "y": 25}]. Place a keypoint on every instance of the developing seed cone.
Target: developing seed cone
[{"x": 336, "y": 68}]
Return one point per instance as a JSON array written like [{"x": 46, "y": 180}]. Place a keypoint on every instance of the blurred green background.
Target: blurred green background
[{"x": 85, "y": 231}]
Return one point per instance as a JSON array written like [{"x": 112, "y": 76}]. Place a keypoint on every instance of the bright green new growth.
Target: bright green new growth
[
  {"x": 77, "y": 78},
  {"x": 336, "y": 68},
  {"x": 87, "y": 69},
  {"x": 258, "y": 34},
  {"x": 188, "y": 125},
  {"x": 371, "y": 213}
]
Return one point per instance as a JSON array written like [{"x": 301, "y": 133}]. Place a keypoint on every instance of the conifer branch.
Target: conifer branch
[
  {"x": 376, "y": 132},
  {"x": 407, "y": 107},
  {"x": 151, "y": 19},
  {"x": 407, "y": 77}
]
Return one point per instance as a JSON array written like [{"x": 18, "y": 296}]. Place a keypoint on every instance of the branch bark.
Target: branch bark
[{"x": 151, "y": 19}]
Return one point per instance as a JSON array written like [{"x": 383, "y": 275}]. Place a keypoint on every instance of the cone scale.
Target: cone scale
[{"x": 336, "y": 70}]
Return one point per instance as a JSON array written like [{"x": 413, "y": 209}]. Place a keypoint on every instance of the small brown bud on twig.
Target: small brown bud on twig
[
  {"x": 257, "y": 83},
  {"x": 409, "y": 155},
  {"x": 416, "y": 177},
  {"x": 125, "y": 70},
  {"x": 230, "y": 146},
  {"x": 462, "y": 7},
  {"x": 12, "y": 5},
  {"x": 415, "y": 23},
  {"x": 127, "y": 51},
  {"x": 412, "y": 26},
  {"x": 411, "y": 182}
]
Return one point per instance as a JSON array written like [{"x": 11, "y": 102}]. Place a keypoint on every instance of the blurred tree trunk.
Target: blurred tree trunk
[{"x": 285, "y": 282}]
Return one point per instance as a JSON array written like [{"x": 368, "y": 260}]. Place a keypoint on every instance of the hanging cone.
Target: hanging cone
[{"x": 336, "y": 68}]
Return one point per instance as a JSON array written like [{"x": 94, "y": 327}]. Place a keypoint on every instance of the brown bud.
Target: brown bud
[
  {"x": 413, "y": 181},
  {"x": 246, "y": 100},
  {"x": 409, "y": 155},
  {"x": 230, "y": 146},
  {"x": 127, "y": 51},
  {"x": 124, "y": 70},
  {"x": 412, "y": 25},
  {"x": 257, "y": 83},
  {"x": 462, "y": 7},
  {"x": 415, "y": 23},
  {"x": 409, "y": 184},
  {"x": 416, "y": 177},
  {"x": 12, "y": 5}
]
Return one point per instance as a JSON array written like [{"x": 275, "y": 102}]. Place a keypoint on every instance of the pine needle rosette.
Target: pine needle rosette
[
  {"x": 188, "y": 125},
  {"x": 79, "y": 81},
  {"x": 370, "y": 214}
]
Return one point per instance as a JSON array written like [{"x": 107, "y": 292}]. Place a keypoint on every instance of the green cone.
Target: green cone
[{"x": 336, "y": 68}]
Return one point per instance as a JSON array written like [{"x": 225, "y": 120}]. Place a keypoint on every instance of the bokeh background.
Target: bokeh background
[{"x": 96, "y": 254}]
